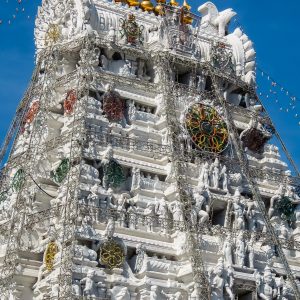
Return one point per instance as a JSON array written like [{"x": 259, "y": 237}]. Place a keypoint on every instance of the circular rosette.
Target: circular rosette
[
  {"x": 113, "y": 106},
  {"x": 206, "y": 128},
  {"x": 112, "y": 254},
  {"x": 69, "y": 102},
  {"x": 18, "y": 180}
]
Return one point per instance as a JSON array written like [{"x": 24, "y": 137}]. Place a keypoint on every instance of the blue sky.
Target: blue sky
[{"x": 272, "y": 25}]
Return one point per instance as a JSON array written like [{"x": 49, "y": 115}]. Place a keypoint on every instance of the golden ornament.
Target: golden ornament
[
  {"x": 112, "y": 254},
  {"x": 133, "y": 3},
  {"x": 53, "y": 34},
  {"x": 147, "y": 5},
  {"x": 51, "y": 251}
]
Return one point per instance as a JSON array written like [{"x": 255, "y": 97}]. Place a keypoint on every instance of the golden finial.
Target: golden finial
[
  {"x": 173, "y": 3},
  {"x": 185, "y": 5},
  {"x": 159, "y": 8},
  {"x": 146, "y": 5},
  {"x": 133, "y": 2}
]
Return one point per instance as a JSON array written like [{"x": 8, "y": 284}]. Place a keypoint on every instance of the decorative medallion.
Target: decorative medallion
[
  {"x": 221, "y": 56},
  {"x": 69, "y": 102},
  {"x": 32, "y": 112},
  {"x": 131, "y": 30},
  {"x": 285, "y": 208},
  {"x": 114, "y": 174},
  {"x": 62, "y": 170},
  {"x": 113, "y": 106},
  {"x": 255, "y": 139},
  {"x": 53, "y": 34},
  {"x": 51, "y": 251},
  {"x": 206, "y": 128},
  {"x": 18, "y": 180},
  {"x": 112, "y": 254}
]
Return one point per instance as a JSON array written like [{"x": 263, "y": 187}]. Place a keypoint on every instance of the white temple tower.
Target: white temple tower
[{"x": 142, "y": 166}]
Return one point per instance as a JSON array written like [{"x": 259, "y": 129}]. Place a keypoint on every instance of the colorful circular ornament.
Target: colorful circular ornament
[
  {"x": 69, "y": 102},
  {"x": 112, "y": 254},
  {"x": 62, "y": 170},
  {"x": 206, "y": 128},
  {"x": 113, "y": 106}
]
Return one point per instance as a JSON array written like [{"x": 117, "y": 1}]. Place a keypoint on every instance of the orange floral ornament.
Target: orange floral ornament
[{"x": 32, "y": 112}]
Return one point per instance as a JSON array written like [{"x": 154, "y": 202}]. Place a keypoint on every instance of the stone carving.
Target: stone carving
[
  {"x": 154, "y": 294},
  {"x": 149, "y": 212},
  {"x": 240, "y": 250},
  {"x": 90, "y": 287},
  {"x": 120, "y": 293},
  {"x": 176, "y": 208},
  {"x": 76, "y": 288},
  {"x": 172, "y": 296},
  {"x": 267, "y": 288},
  {"x": 136, "y": 178},
  {"x": 221, "y": 281},
  {"x": 227, "y": 251},
  {"x": 279, "y": 194},
  {"x": 161, "y": 209},
  {"x": 195, "y": 294},
  {"x": 110, "y": 229},
  {"x": 238, "y": 211},
  {"x": 85, "y": 254},
  {"x": 201, "y": 207},
  {"x": 139, "y": 259}
]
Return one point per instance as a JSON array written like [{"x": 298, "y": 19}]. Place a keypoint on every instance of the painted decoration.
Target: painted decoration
[
  {"x": 112, "y": 254},
  {"x": 206, "y": 128}
]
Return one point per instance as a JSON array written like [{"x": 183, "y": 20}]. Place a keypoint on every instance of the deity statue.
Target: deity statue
[
  {"x": 136, "y": 178},
  {"x": 154, "y": 295},
  {"x": 201, "y": 208},
  {"x": 250, "y": 250},
  {"x": 227, "y": 251},
  {"x": 215, "y": 173},
  {"x": 240, "y": 250},
  {"x": 149, "y": 213},
  {"x": 110, "y": 229},
  {"x": 195, "y": 294},
  {"x": 90, "y": 287},
  {"x": 224, "y": 178},
  {"x": 238, "y": 211},
  {"x": 221, "y": 281},
  {"x": 176, "y": 208},
  {"x": 120, "y": 293},
  {"x": 93, "y": 198},
  {"x": 267, "y": 288},
  {"x": 76, "y": 288},
  {"x": 279, "y": 194},
  {"x": 161, "y": 209},
  {"x": 204, "y": 175}
]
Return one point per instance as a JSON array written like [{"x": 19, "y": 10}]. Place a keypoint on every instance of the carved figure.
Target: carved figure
[
  {"x": 76, "y": 288},
  {"x": 204, "y": 176},
  {"x": 221, "y": 281},
  {"x": 172, "y": 296},
  {"x": 154, "y": 294},
  {"x": 90, "y": 288},
  {"x": 161, "y": 209},
  {"x": 149, "y": 212},
  {"x": 136, "y": 178},
  {"x": 240, "y": 250},
  {"x": 267, "y": 288},
  {"x": 279, "y": 194},
  {"x": 195, "y": 295},
  {"x": 110, "y": 229},
  {"x": 120, "y": 293},
  {"x": 201, "y": 207},
  {"x": 215, "y": 173},
  {"x": 227, "y": 251},
  {"x": 176, "y": 208},
  {"x": 238, "y": 210},
  {"x": 251, "y": 253}
]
